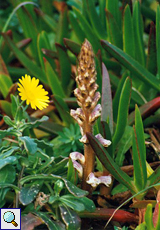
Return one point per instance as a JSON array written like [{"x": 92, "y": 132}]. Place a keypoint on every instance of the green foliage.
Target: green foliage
[
  {"x": 25, "y": 167},
  {"x": 123, "y": 228},
  {"x": 67, "y": 141},
  {"x": 148, "y": 223}
]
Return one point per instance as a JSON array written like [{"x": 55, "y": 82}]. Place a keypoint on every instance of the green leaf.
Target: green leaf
[
  {"x": 11, "y": 15},
  {"x": 98, "y": 62},
  {"x": 53, "y": 80},
  {"x": 122, "y": 112},
  {"x": 74, "y": 190},
  {"x": 27, "y": 63},
  {"x": 5, "y": 80},
  {"x": 137, "y": 69},
  {"x": 155, "y": 177},
  {"x": 88, "y": 203},
  {"x": 120, "y": 188},
  {"x": 8, "y": 121},
  {"x": 114, "y": 33},
  {"x": 77, "y": 29},
  {"x": 72, "y": 174},
  {"x": 72, "y": 202},
  {"x": 6, "y": 107},
  {"x": 128, "y": 33},
  {"x": 65, "y": 67},
  {"x": 62, "y": 26},
  {"x": 109, "y": 164},
  {"x": 102, "y": 6},
  {"x": 36, "y": 123},
  {"x": 95, "y": 21},
  {"x": 14, "y": 104},
  {"x": 138, "y": 34},
  {"x": 7, "y": 160},
  {"x": 3, "y": 193},
  {"x": 158, "y": 38},
  {"x": 51, "y": 224},
  {"x": 63, "y": 109},
  {"x": 152, "y": 51},
  {"x": 138, "y": 97},
  {"x": 29, "y": 144},
  {"x": 9, "y": 131},
  {"x": 58, "y": 167},
  {"x": 117, "y": 95},
  {"x": 45, "y": 165},
  {"x": 113, "y": 8},
  {"x": 142, "y": 226},
  {"x": 139, "y": 152},
  {"x": 7, "y": 151},
  {"x": 88, "y": 31},
  {"x": 106, "y": 100},
  {"x": 43, "y": 144},
  {"x": 42, "y": 42},
  {"x": 47, "y": 19},
  {"x": 6, "y": 185},
  {"x": 49, "y": 126},
  {"x": 29, "y": 23},
  {"x": 146, "y": 110},
  {"x": 70, "y": 218},
  {"x": 28, "y": 194},
  {"x": 7, "y": 174},
  {"x": 72, "y": 46},
  {"x": 148, "y": 217},
  {"x": 123, "y": 146}
]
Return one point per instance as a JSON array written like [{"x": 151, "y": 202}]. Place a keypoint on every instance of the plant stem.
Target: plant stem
[
  {"x": 19, "y": 186},
  {"x": 88, "y": 166}
]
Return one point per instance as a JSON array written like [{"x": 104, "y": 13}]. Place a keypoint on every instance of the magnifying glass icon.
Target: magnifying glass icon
[{"x": 9, "y": 217}]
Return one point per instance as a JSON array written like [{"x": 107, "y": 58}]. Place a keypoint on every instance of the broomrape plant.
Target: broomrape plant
[{"x": 89, "y": 111}]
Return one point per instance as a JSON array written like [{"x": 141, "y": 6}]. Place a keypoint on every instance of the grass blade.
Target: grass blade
[
  {"x": 65, "y": 67},
  {"x": 145, "y": 110},
  {"x": 138, "y": 34},
  {"x": 128, "y": 34},
  {"x": 158, "y": 38},
  {"x": 132, "y": 65},
  {"x": 95, "y": 21},
  {"x": 114, "y": 33},
  {"x": 88, "y": 31},
  {"x": 33, "y": 69},
  {"x": 122, "y": 112},
  {"x": 106, "y": 102},
  {"x": 5, "y": 80},
  {"x": 53, "y": 80},
  {"x": 152, "y": 52},
  {"x": 139, "y": 152}
]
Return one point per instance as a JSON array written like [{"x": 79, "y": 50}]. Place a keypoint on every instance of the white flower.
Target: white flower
[
  {"x": 78, "y": 167},
  {"x": 77, "y": 156},
  {"x": 103, "y": 141},
  {"x": 84, "y": 139},
  {"x": 95, "y": 113},
  {"x": 94, "y": 181}
]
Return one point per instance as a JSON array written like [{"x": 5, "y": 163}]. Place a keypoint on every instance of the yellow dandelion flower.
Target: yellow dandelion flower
[{"x": 33, "y": 93}]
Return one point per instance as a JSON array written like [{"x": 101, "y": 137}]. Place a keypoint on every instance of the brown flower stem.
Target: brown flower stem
[
  {"x": 87, "y": 99},
  {"x": 104, "y": 190},
  {"x": 88, "y": 166}
]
